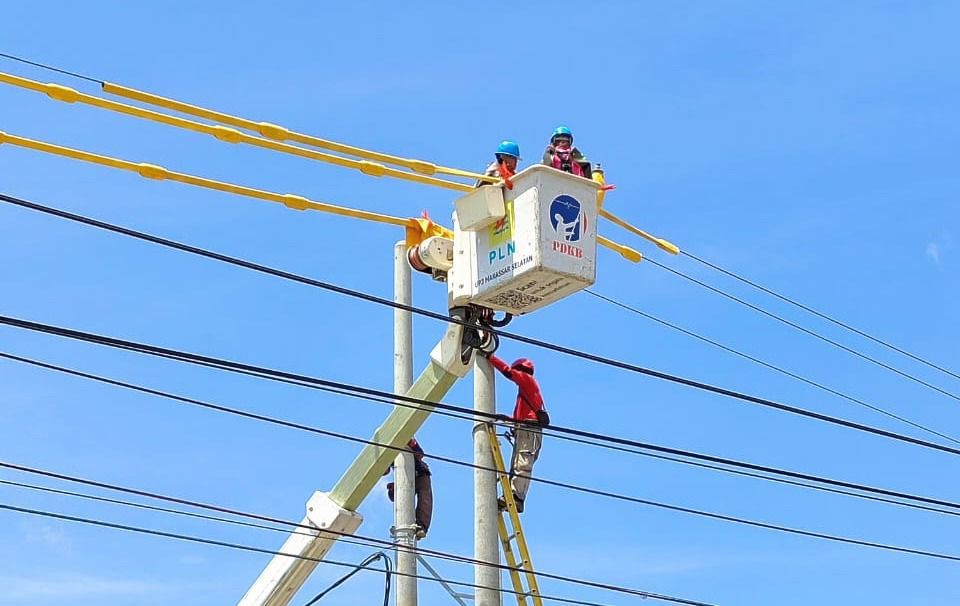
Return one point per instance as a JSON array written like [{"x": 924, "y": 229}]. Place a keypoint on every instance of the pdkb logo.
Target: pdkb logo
[{"x": 567, "y": 218}]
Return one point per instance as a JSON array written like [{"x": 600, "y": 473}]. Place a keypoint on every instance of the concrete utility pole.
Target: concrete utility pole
[
  {"x": 404, "y": 513},
  {"x": 486, "y": 547}
]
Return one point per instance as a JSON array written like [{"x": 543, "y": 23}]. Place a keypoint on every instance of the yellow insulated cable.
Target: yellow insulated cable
[
  {"x": 151, "y": 171},
  {"x": 228, "y": 135},
  {"x": 273, "y": 141},
  {"x": 281, "y": 133},
  {"x": 626, "y": 252},
  {"x": 666, "y": 245}
]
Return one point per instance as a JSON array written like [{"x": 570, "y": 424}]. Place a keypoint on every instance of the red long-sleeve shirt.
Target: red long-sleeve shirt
[{"x": 529, "y": 399}]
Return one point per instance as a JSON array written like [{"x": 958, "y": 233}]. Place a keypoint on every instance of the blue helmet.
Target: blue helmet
[
  {"x": 561, "y": 131},
  {"x": 508, "y": 148}
]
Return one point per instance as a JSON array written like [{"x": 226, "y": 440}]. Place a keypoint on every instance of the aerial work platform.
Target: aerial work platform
[{"x": 517, "y": 250}]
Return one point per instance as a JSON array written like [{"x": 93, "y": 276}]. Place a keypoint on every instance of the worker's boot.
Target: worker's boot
[{"x": 502, "y": 503}]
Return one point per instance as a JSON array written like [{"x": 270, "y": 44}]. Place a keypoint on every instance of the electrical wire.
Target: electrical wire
[
  {"x": 260, "y": 550},
  {"x": 300, "y": 528},
  {"x": 594, "y": 492},
  {"x": 387, "y": 569},
  {"x": 293, "y": 527},
  {"x": 821, "y": 315},
  {"x": 618, "y": 444},
  {"x": 51, "y": 68},
  {"x": 756, "y": 360},
  {"x": 299, "y": 379},
  {"x": 597, "y": 440},
  {"x": 351, "y": 539},
  {"x": 437, "y": 316},
  {"x": 807, "y": 331},
  {"x": 750, "y": 474}
]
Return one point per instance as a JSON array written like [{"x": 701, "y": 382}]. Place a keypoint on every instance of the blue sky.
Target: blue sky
[{"x": 810, "y": 146}]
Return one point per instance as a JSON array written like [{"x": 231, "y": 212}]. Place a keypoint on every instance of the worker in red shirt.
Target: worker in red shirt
[{"x": 529, "y": 418}]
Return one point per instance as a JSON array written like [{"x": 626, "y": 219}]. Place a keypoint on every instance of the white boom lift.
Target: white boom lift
[{"x": 514, "y": 250}]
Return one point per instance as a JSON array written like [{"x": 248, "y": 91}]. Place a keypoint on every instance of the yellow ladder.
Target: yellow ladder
[{"x": 510, "y": 520}]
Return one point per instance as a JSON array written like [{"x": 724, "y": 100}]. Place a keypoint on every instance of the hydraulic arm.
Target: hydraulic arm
[{"x": 330, "y": 515}]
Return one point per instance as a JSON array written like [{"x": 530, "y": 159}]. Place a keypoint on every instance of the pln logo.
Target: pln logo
[
  {"x": 501, "y": 232},
  {"x": 500, "y": 236},
  {"x": 567, "y": 218}
]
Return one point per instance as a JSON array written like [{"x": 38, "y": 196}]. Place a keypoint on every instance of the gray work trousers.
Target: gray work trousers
[{"x": 527, "y": 440}]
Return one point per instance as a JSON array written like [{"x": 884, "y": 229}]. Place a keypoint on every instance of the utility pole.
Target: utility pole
[
  {"x": 404, "y": 516},
  {"x": 485, "y": 538}
]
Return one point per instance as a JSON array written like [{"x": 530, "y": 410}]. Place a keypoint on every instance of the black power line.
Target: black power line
[
  {"x": 821, "y": 315},
  {"x": 812, "y": 333},
  {"x": 297, "y": 528},
  {"x": 766, "y": 364},
  {"x": 612, "y": 443},
  {"x": 735, "y": 470},
  {"x": 437, "y": 316},
  {"x": 564, "y": 485},
  {"x": 51, "y": 68},
  {"x": 356, "y": 539},
  {"x": 800, "y": 532},
  {"x": 250, "y": 548},
  {"x": 299, "y": 379},
  {"x": 558, "y": 432},
  {"x": 292, "y": 528},
  {"x": 387, "y": 570},
  {"x": 221, "y": 519}
]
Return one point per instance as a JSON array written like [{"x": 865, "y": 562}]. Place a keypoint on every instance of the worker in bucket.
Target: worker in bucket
[
  {"x": 423, "y": 488},
  {"x": 529, "y": 418},
  {"x": 505, "y": 161},
  {"x": 562, "y": 155}
]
